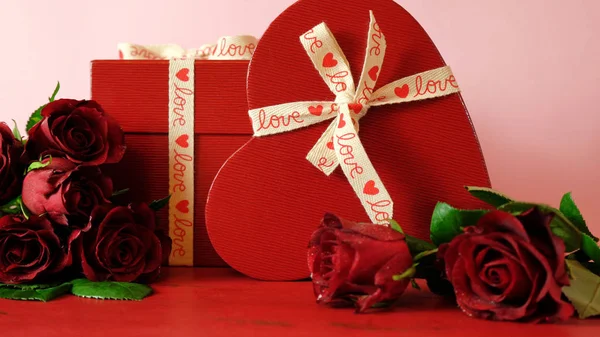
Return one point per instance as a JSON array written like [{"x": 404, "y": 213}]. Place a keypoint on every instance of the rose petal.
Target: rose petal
[
  {"x": 144, "y": 215},
  {"x": 502, "y": 222},
  {"x": 369, "y": 254}
]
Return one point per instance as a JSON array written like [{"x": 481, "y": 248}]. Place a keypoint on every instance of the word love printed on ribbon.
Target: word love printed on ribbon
[
  {"x": 181, "y": 160},
  {"x": 227, "y": 48},
  {"x": 340, "y": 144}
]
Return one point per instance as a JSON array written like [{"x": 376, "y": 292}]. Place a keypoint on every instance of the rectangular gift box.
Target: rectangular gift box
[{"x": 135, "y": 93}]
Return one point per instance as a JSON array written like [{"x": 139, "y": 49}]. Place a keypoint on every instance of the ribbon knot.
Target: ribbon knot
[{"x": 340, "y": 145}]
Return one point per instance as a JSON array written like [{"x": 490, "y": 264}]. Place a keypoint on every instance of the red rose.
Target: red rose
[
  {"x": 11, "y": 168},
  {"x": 78, "y": 130},
  {"x": 353, "y": 262},
  {"x": 509, "y": 268},
  {"x": 121, "y": 245},
  {"x": 66, "y": 191},
  {"x": 29, "y": 250}
]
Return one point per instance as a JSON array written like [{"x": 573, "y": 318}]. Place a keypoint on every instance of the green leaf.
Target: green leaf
[
  {"x": 51, "y": 98},
  {"x": 33, "y": 292},
  {"x": 16, "y": 207},
  {"x": 584, "y": 290},
  {"x": 418, "y": 246},
  {"x": 395, "y": 226},
  {"x": 590, "y": 248},
  {"x": 36, "y": 117},
  {"x": 571, "y": 211},
  {"x": 12, "y": 207},
  {"x": 448, "y": 222},
  {"x": 36, "y": 165},
  {"x": 110, "y": 290},
  {"x": 120, "y": 192},
  {"x": 488, "y": 195},
  {"x": 16, "y": 132},
  {"x": 560, "y": 225},
  {"x": 158, "y": 204},
  {"x": 27, "y": 286},
  {"x": 414, "y": 284}
]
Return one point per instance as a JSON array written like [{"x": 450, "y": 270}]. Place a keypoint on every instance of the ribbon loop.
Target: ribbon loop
[
  {"x": 340, "y": 144},
  {"x": 374, "y": 55},
  {"x": 228, "y": 48},
  {"x": 329, "y": 60},
  {"x": 426, "y": 85}
]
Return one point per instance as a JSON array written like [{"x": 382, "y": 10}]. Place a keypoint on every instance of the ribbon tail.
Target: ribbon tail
[
  {"x": 426, "y": 85},
  {"x": 359, "y": 170},
  {"x": 289, "y": 116},
  {"x": 322, "y": 155}
]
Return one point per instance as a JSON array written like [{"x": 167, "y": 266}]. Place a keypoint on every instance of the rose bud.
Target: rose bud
[
  {"x": 509, "y": 268},
  {"x": 66, "y": 192},
  {"x": 29, "y": 250},
  {"x": 354, "y": 263},
  {"x": 121, "y": 245},
  {"x": 11, "y": 168},
  {"x": 78, "y": 130}
]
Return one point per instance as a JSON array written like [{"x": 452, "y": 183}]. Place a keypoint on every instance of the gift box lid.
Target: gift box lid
[{"x": 135, "y": 92}]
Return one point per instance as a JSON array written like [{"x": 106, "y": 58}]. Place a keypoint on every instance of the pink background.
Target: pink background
[{"x": 529, "y": 70}]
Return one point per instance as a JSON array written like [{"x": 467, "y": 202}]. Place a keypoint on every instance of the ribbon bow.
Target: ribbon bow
[
  {"x": 340, "y": 144},
  {"x": 227, "y": 48}
]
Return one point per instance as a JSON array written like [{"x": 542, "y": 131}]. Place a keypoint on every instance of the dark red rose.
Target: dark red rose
[
  {"x": 353, "y": 263},
  {"x": 66, "y": 192},
  {"x": 509, "y": 268},
  {"x": 78, "y": 130},
  {"x": 29, "y": 250},
  {"x": 11, "y": 167},
  {"x": 121, "y": 245}
]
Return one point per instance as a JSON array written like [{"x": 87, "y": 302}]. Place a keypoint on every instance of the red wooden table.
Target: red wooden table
[{"x": 220, "y": 302}]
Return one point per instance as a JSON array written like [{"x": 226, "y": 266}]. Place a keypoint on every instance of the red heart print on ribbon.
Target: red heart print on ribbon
[
  {"x": 370, "y": 188},
  {"x": 183, "y": 206},
  {"x": 330, "y": 144},
  {"x": 183, "y": 74},
  {"x": 342, "y": 122},
  {"x": 316, "y": 110},
  {"x": 183, "y": 141},
  {"x": 373, "y": 73},
  {"x": 356, "y": 107},
  {"x": 402, "y": 91},
  {"x": 329, "y": 61}
]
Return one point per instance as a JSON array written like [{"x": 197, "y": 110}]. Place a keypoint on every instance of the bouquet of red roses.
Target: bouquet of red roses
[
  {"x": 517, "y": 261},
  {"x": 60, "y": 230}
]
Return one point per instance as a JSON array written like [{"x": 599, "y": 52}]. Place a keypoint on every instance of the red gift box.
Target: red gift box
[
  {"x": 136, "y": 94},
  {"x": 268, "y": 199}
]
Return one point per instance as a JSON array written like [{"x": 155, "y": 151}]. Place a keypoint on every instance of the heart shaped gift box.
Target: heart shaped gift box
[
  {"x": 136, "y": 94},
  {"x": 268, "y": 198}
]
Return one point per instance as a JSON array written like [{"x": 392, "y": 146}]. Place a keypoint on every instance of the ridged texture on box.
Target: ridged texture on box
[{"x": 135, "y": 93}]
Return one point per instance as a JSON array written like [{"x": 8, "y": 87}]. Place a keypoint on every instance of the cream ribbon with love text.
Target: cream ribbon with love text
[
  {"x": 181, "y": 127},
  {"x": 227, "y": 48},
  {"x": 340, "y": 144}
]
